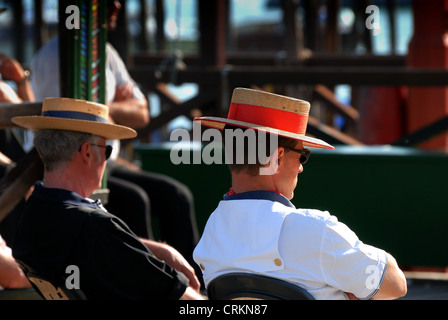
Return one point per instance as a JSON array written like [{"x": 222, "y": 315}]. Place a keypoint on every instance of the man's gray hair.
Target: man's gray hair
[{"x": 56, "y": 147}]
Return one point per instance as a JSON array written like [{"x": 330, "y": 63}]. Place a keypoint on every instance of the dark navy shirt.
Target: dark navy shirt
[
  {"x": 59, "y": 228},
  {"x": 260, "y": 195}
]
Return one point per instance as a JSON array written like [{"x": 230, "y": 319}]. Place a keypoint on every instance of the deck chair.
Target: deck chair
[
  {"x": 19, "y": 294},
  {"x": 249, "y": 286},
  {"x": 49, "y": 291}
]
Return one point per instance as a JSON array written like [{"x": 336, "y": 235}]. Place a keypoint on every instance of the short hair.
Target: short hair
[
  {"x": 57, "y": 147},
  {"x": 250, "y": 162}
]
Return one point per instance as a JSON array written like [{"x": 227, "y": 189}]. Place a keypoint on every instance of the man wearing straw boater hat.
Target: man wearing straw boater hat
[
  {"x": 61, "y": 227},
  {"x": 256, "y": 228}
]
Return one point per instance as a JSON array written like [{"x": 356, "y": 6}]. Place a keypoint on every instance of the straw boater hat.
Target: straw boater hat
[
  {"x": 75, "y": 115},
  {"x": 272, "y": 113}
]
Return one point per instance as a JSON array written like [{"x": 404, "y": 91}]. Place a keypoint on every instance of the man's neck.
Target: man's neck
[
  {"x": 63, "y": 179},
  {"x": 242, "y": 182}
]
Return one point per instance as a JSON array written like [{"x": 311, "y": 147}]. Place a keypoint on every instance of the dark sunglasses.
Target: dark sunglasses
[
  {"x": 304, "y": 154},
  {"x": 108, "y": 150}
]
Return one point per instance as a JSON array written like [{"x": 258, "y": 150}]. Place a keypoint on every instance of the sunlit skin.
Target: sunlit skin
[
  {"x": 283, "y": 181},
  {"x": 83, "y": 174},
  {"x": 288, "y": 172}
]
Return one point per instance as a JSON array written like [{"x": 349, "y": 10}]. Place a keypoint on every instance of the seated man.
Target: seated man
[
  {"x": 257, "y": 229},
  {"x": 60, "y": 227}
]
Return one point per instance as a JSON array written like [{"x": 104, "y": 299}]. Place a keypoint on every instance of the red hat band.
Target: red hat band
[
  {"x": 269, "y": 112},
  {"x": 269, "y": 117}
]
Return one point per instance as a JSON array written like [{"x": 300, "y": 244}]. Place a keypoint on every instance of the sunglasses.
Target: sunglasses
[
  {"x": 304, "y": 154},
  {"x": 108, "y": 150}
]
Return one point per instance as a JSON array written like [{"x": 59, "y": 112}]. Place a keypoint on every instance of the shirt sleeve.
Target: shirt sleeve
[
  {"x": 119, "y": 71},
  {"x": 348, "y": 264},
  {"x": 45, "y": 77},
  {"x": 123, "y": 267}
]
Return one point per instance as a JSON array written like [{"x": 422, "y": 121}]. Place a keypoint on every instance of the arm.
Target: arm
[
  {"x": 394, "y": 282},
  {"x": 190, "y": 294},
  {"x": 366, "y": 272},
  {"x": 12, "y": 70},
  {"x": 11, "y": 275},
  {"x": 7, "y": 94},
  {"x": 4, "y": 159},
  {"x": 174, "y": 259},
  {"x": 129, "y": 106},
  {"x": 25, "y": 90},
  {"x": 127, "y": 110}
]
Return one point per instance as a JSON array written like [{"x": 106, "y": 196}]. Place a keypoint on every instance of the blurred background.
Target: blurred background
[
  {"x": 330, "y": 33},
  {"x": 378, "y": 94}
]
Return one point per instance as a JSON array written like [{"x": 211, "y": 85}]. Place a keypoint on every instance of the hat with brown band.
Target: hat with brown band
[
  {"x": 75, "y": 115},
  {"x": 269, "y": 112}
]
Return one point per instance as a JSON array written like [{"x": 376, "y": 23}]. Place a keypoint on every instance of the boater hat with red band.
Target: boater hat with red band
[{"x": 269, "y": 112}]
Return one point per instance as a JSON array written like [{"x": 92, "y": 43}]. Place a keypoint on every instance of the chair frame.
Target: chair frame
[
  {"x": 250, "y": 286},
  {"x": 49, "y": 291},
  {"x": 19, "y": 294}
]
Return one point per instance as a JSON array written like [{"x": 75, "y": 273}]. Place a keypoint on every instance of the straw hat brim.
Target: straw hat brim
[
  {"x": 105, "y": 130},
  {"x": 219, "y": 123}
]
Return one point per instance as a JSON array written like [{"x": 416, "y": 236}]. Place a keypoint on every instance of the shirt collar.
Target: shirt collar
[
  {"x": 260, "y": 195},
  {"x": 65, "y": 196}
]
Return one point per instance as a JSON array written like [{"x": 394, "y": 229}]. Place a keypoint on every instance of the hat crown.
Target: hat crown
[
  {"x": 270, "y": 100},
  {"x": 75, "y": 115},
  {"x": 269, "y": 112},
  {"x": 74, "y": 108}
]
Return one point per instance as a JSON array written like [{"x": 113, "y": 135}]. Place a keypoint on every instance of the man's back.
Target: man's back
[
  {"x": 60, "y": 229},
  {"x": 262, "y": 232}
]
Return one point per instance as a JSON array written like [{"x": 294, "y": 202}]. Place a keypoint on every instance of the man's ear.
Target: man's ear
[
  {"x": 280, "y": 156},
  {"x": 275, "y": 161},
  {"x": 86, "y": 151}
]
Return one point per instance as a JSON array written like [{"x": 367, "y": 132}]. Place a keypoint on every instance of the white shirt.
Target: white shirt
[
  {"x": 45, "y": 80},
  {"x": 263, "y": 232}
]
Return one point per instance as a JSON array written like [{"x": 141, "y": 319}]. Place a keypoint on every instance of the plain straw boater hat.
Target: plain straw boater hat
[
  {"x": 75, "y": 115},
  {"x": 269, "y": 112}
]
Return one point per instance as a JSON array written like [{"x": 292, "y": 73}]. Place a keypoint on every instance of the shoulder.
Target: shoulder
[
  {"x": 331, "y": 231},
  {"x": 312, "y": 216},
  {"x": 110, "y": 49},
  {"x": 314, "y": 222},
  {"x": 113, "y": 57},
  {"x": 102, "y": 221},
  {"x": 49, "y": 49}
]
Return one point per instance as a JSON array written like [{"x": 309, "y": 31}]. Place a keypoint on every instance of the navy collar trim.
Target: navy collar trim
[
  {"x": 62, "y": 195},
  {"x": 260, "y": 195}
]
